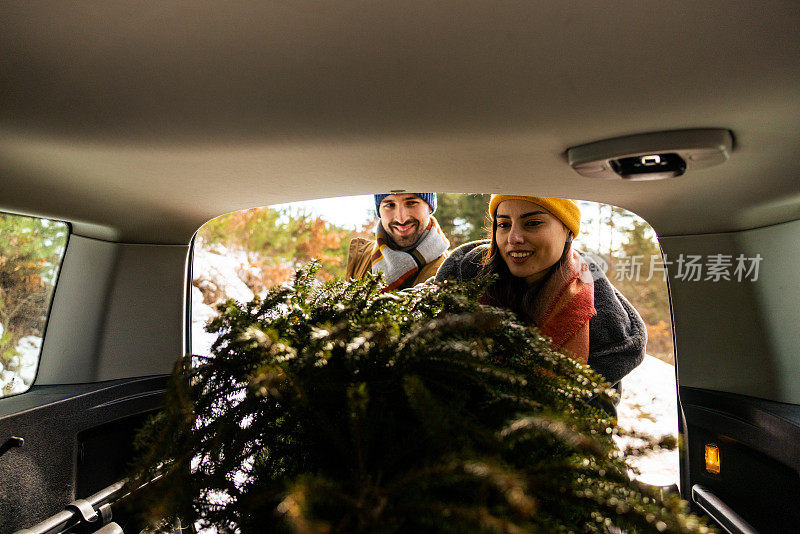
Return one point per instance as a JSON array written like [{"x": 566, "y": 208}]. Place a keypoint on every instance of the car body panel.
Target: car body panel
[
  {"x": 77, "y": 439},
  {"x": 752, "y": 347},
  {"x": 131, "y": 303}
]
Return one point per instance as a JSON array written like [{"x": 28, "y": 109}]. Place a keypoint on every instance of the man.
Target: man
[{"x": 409, "y": 245}]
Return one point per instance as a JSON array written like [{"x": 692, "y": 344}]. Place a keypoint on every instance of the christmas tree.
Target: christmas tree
[{"x": 339, "y": 408}]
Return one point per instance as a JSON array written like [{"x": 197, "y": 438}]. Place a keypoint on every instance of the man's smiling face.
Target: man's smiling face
[{"x": 404, "y": 216}]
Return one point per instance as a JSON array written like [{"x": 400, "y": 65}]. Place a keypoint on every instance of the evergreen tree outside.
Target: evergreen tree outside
[
  {"x": 648, "y": 288},
  {"x": 462, "y": 217}
]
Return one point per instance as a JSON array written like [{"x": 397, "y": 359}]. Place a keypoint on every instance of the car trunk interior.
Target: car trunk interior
[{"x": 138, "y": 123}]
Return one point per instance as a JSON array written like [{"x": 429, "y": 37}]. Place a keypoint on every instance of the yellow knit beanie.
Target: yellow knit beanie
[{"x": 564, "y": 209}]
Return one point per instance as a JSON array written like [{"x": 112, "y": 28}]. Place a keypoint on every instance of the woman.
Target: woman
[{"x": 548, "y": 283}]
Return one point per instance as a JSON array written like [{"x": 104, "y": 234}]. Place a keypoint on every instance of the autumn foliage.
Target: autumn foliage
[
  {"x": 30, "y": 254},
  {"x": 273, "y": 243}
]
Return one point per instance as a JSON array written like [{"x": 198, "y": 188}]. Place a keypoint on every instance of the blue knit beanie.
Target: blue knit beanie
[{"x": 429, "y": 198}]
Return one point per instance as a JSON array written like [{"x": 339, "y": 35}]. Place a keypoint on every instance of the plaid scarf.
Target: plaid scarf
[
  {"x": 563, "y": 306},
  {"x": 566, "y": 302},
  {"x": 400, "y": 266}
]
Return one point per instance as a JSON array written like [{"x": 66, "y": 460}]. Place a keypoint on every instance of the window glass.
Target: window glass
[
  {"x": 241, "y": 254},
  {"x": 31, "y": 250}
]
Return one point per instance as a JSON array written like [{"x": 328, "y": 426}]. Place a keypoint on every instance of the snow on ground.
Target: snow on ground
[
  {"x": 648, "y": 404},
  {"x": 220, "y": 273},
  {"x": 20, "y": 369},
  {"x": 201, "y": 314},
  {"x": 217, "y": 274}
]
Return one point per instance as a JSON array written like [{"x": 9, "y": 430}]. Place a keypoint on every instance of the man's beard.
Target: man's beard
[{"x": 407, "y": 240}]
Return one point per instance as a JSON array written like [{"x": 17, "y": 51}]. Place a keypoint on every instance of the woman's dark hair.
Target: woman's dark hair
[{"x": 509, "y": 291}]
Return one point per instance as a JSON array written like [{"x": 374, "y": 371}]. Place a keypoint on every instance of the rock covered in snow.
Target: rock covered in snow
[
  {"x": 201, "y": 314},
  {"x": 11, "y": 383},
  {"x": 217, "y": 277},
  {"x": 19, "y": 371}
]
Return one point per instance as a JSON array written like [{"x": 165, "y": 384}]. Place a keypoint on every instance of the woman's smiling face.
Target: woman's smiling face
[{"x": 530, "y": 238}]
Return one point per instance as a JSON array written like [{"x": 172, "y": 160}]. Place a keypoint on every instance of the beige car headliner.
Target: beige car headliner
[{"x": 138, "y": 121}]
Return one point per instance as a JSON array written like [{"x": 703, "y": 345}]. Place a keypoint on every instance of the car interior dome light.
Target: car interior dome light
[{"x": 652, "y": 156}]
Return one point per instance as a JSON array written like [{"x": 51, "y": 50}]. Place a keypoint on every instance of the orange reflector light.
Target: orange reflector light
[{"x": 712, "y": 458}]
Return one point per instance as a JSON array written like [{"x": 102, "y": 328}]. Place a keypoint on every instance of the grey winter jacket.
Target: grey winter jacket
[{"x": 617, "y": 334}]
